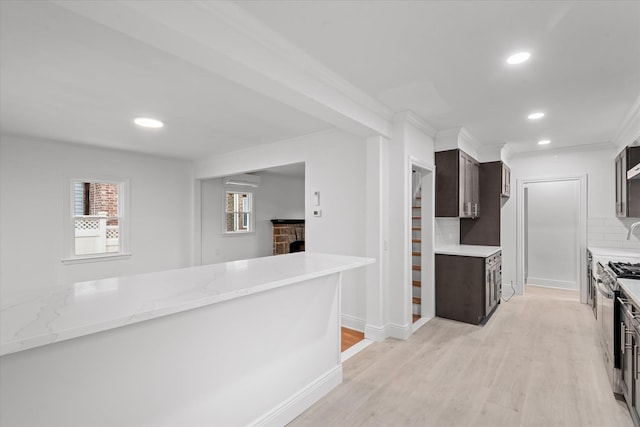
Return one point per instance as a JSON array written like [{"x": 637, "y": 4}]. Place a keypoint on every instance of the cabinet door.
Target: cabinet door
[
  {"x": 506, "y": 181},
  {"x": 621, "y": 184},
  {"x": 475, "y": 189},
  {"x": 635, "y": 385},
  {"x": 487, "y": 287},
  {"x": 626, "y": 358},
  {"x": 464, "y": 188}
]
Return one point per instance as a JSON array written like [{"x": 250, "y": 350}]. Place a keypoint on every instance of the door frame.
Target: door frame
[
  {"x": 581, "y": 245},
  {"x": 428, "y": 237}
]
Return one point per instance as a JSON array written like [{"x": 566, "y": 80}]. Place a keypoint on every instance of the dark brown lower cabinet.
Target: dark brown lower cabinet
[
  {"x": 629, "y": 330},
  {"x": 468, "y": 288}
]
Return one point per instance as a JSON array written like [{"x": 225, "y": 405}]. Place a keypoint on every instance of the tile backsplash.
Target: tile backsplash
[
  {"x": 447, "y": 231},
  {"x": 612, "y": 233}
]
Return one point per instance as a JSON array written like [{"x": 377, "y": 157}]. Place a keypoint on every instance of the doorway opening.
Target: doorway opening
[
  {"x": 422, "y": 276},
  {"x": 552, "y": 217}
]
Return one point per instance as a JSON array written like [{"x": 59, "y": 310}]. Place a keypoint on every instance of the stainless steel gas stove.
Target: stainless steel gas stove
[{"x": 625, "y": 270}]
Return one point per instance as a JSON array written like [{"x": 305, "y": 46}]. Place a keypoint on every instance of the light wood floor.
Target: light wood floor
[{"x": 536, "y": 363}]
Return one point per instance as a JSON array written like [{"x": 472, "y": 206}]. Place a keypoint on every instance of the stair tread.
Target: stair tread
[
  {"x": 416, "y": 253},
  {"x": 416, "y": 217},
  {"x": 416, "y": 228},
  {"x": 416, "y": 300},
  {"x": 416, "y": 283},
  {"x": 416, "y": 267},
  {"x": 416, "y": 240}
]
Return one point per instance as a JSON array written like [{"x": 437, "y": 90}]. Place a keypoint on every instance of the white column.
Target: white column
[{"x": 377, "y": 236}]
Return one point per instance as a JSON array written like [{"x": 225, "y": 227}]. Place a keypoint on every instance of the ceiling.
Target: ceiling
[{"x": 66, "y": 77}]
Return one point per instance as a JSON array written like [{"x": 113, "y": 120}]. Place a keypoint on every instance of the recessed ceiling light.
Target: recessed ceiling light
[
  {"x": 544, "y": 142},
  {"x": 518, "y": 58},
  {"x": 535, "y": 116},
  {"x": 147, "y": 122}
]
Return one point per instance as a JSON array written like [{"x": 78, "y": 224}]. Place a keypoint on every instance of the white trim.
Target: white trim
[
  {"x": 303, "y": 399},
  {"x": 626, "y": 134},
  {"x": 282, "y": 47},
  {"x": 414, "y": 120},
  {"x": 428, "y": 287},
  {"x": 375, "y": 333},
  {"x": 197, "y": 222},
  {"x": 353, "y": 322},
  {"x": 229, "y": 188},
  {"x": 355, "y": 349},
  {"x": 557, "y": 150},
  {"x": 82, "y": 259},
  {"x": 420, "y": 323},
  {"x": 582, "y": 227},
  {"x": 552, "y": 283},
  {"x": 401, "y": 332}
]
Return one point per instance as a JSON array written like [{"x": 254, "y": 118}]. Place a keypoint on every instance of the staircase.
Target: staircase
[{"x": 416, "y": 251}]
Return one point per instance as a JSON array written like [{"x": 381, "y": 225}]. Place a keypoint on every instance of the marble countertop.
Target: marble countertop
[
  {"x": 33, "y": 319},
  {"x": 604, "y": 255},
  {"x": 614, "y": 252},
  {"x": 467, "y": 250}
]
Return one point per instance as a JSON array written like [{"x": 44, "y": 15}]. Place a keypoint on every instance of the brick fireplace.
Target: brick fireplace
[{"x": 288, "y": 236}]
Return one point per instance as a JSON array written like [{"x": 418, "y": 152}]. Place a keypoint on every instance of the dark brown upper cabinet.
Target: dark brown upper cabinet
[
  {"x": 627, "y": 191},
  {"x": 457, "y": 184},
  {"x": 486, "y": 229}
]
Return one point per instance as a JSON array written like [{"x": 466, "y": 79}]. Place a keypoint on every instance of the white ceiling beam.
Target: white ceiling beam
[{"x": 222, "y": 38}]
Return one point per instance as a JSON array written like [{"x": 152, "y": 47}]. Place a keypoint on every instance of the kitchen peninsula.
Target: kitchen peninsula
[{"x": 250, "y": 342}]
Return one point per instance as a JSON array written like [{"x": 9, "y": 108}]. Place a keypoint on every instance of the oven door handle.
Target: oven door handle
[{"x": 603, "y": 291}]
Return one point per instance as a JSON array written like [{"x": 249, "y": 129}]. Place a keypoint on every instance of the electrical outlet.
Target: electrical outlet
[{"x": 317, "y": 212}]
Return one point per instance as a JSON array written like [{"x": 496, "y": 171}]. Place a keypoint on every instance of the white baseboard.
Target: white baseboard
[
  {"x": 420, "y": 323},
  {"x": 295, "y": 405},
  {"x": 353, "y": 322},
  {"x": 550, "y": 283},
  {"x": 354, "y": 349},
  {"x": 375, "y": 333},
  {"x": 401, "y": 332}
]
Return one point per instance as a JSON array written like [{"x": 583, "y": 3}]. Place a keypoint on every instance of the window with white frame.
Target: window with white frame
[
  {"x": 96, "y": 219},
  {"x": 238, "y": 211}
]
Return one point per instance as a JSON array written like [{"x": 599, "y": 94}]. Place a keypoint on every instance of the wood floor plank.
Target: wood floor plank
[
  {"x": 535, "y": 363},
  {"x": 350, "y": 337}
]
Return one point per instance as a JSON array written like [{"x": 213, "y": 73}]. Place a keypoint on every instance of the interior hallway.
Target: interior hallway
[{"x": 536, "y": 363}]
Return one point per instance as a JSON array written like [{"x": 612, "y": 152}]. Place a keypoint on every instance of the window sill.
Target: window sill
[
  {"x": 239, "y": 233},
  {"x": 96, "y": 258}
]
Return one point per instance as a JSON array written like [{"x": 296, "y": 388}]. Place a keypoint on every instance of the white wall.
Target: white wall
[
  {"x": 33, "y": 177},
  {"x": 335, "y": 165},
  {"x": 552, "y": 233},
  {"x": 277, "y": 197},
  {"x": 598, "y": 164}
]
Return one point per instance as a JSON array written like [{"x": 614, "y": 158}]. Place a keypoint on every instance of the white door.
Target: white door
[{"x": 552, "y": 234}]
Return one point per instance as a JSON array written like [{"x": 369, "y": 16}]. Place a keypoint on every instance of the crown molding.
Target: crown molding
[
  {"x": 416, "y": 121},
  {"x": 270, "y": 40},
  {"x": 569, "y": 149},
  {"x": 629, "y": 130}
]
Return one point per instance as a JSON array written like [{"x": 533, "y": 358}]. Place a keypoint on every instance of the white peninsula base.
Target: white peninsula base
[{"x": 256, "y": 359}]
